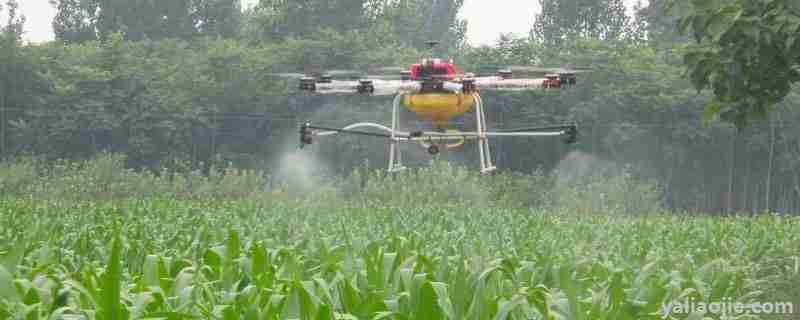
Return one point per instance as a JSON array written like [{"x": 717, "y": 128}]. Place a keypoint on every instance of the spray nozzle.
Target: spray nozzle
[{"x": 571, "y": 134}]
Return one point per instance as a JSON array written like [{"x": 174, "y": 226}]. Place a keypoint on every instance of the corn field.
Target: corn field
[{"x": 251, "y": 259}]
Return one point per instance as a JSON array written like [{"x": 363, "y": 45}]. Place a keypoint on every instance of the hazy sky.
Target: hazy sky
[{"x": 486, "y": 18}]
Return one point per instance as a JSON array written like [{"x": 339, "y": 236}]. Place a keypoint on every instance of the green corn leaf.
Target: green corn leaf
[
  {"x": 110, "y": 306},
  {"x": 428, "y": 305},
  {"x": 7, "y": 288},
  {"x": 259, "y": 260},
  {"x": 324, "y": 313},
  {"x": 350, "y": 297},
  {"x": 507, "y": 307},
  {"x": 150, "y": 276},
  {"x": 570, "y": 288},
  {"x": 539, "y": 299}
]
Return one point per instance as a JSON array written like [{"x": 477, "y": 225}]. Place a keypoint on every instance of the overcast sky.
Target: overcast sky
[{"x": 486, "y": 18}]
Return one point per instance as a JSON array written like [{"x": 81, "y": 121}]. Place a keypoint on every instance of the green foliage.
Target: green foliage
[
  {"x": 184, "y": 104},
  {"x": 619, "y": 193},
  {"x": 561, "y": 21},
  {"x": 746, "y": 52},
  {"x": 194, "y": 237},
  {"x": 444, "y": 183},
  {"x": 20, "y": 78},
  {"x": 107, "y": 177},
  {"x": 407, "y": 23},
  {"x": 75, "y": 21},
  {"x": 79, "y": 21},
  {"x": 660, "y": 18},
  {"x": 110, "y": 307},
  {"x": 18, "y": 177},
  {"x": 167, "y": 258},
  {"x": 280, "y": 19}
]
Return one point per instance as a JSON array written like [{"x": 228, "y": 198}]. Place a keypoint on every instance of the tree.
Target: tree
[
  {"x": 659, "y": 24},
  {"x": 746, "y": 51},
  {"x": 561, "y": 20},
  {"x": 75, "y": 20},
  {"x": 415, "y": 22},
  {"x": 407, "y": 22},
  {"x": 85, "y": 20},
  {"x": 217, "y": 18},
  {"x": 279, "y": 19},
  {"x": 10, "y": 37}
]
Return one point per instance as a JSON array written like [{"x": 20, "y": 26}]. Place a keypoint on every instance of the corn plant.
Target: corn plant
[{"x": 249, "y": 259}]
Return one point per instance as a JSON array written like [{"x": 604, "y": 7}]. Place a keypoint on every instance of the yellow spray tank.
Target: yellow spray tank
[{"x": 439, "y": 108}]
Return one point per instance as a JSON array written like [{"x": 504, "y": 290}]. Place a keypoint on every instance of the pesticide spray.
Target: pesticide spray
[{"x": 578, "y": 165}]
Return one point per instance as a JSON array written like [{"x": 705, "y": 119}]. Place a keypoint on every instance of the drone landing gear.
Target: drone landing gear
[
  {"x": 395, "y": 158},
  {"x": 483, "y": 140}
]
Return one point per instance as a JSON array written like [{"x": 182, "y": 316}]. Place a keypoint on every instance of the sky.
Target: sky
[{"x": 486, "y": 19}]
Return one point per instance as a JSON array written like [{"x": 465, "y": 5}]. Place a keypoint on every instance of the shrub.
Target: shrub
[
  {"x": 441, "y": 184},
  {"x": 106, "y": 177},
  {"x": 18, "y": 177}
]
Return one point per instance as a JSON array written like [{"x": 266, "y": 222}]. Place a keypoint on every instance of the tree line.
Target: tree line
[{"x": 188, "y": 83}]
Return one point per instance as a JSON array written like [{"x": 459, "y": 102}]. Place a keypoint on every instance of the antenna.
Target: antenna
[
  {"x": 429, "y": 23},
  {"x": 432, "y": 44},
  {"x": 431, "y": 48}
]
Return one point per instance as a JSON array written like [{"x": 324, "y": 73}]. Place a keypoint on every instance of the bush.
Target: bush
[
  {"x": 18, "y": 177},
  {"x": 106, "y": 177}
]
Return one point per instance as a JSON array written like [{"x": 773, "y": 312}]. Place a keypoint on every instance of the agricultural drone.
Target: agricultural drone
[{"x": 435, "y": 91}]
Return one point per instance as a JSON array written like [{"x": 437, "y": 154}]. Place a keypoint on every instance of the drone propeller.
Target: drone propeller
[
  {"x": 389, "y": 69},
  {"x": 358, "y": 75},
  {"x": 336, "y": 74},
  {"x": 289, "y": 75},
  {"x": 342, "y": 73},
  {"x": 384, "y": 77}
]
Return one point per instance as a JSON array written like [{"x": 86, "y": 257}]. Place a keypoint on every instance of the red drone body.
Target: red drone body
[{"x": 432, "y": 68}]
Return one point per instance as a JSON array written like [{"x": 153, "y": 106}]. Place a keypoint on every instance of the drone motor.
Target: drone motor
[
  {"x": 365, "y": 86},
  {"x": 571, "y": 134},
  {"x": 308, "y": 84}
]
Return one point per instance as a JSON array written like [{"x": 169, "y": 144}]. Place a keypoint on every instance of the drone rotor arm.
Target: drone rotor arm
[
  {"x": 500, "y": 84},
  {"x": 366, "y": 86}
]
